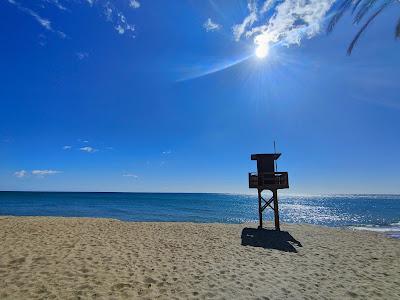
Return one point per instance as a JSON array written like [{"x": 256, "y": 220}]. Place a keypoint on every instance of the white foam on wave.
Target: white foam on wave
[{"x": 393, "y": 229}]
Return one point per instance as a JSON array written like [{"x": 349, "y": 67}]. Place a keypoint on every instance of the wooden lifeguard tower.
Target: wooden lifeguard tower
[{"x": 267, "y": 178}]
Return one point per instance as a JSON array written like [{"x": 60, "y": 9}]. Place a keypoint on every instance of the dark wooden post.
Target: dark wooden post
[
  {"x": 259, "y": 209},
  {"x": 276, "y": 210}
]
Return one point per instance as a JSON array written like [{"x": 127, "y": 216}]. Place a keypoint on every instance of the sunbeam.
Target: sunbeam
[{"x": 207, "y": 69}]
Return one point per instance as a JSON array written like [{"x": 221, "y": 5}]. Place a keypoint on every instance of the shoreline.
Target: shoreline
[
  {"x": 384, "y": 230},
  {"x": 63, "y": 257}
]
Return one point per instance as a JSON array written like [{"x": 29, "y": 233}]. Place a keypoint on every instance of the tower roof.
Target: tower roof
[{"x": 273, "y": 156}]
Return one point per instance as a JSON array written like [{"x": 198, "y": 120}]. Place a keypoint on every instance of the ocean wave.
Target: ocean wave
[{"x": 393, "y": 230}]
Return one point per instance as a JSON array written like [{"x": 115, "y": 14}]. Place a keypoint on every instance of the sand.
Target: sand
[{"x": 80, "y": 258}]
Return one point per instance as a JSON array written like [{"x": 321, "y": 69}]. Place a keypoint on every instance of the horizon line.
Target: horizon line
[{"x": 222, "y": 193}]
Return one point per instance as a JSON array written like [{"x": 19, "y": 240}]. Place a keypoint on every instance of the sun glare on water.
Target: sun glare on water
[{"x": 262, "y": 51}]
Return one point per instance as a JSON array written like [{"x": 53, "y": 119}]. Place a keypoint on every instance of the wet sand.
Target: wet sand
[{"x": 81, "y": 258}]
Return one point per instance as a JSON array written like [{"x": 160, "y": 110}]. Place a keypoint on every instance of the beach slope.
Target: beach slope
[{"x": 81, "y": 258}]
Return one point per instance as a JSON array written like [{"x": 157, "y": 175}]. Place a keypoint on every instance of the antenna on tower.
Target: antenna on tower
[{"x": 276, "y": 164}]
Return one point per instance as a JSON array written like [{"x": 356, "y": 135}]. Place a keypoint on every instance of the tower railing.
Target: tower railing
[{"x": 269, "y": 180}]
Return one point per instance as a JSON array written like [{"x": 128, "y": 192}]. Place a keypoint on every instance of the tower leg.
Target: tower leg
[
  {"x": 259, "y": 210},
  {"x": 276, "y": 210}
]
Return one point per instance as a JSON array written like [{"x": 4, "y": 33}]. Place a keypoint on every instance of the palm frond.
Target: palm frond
[
  {"x": 360, "y": 9},
  {"x": 397, "y": 33},
  {"x": 360, "y": 32},
  {"x": 355, "y": 5},
  {"x": 364, "y": 8},
  {"x": 336, "y": 17}
]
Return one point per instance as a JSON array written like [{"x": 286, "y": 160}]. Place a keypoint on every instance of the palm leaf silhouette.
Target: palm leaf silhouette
[
  {"x": 356, "y": 4},
  {"x": 336, "y": 17},
  {"x": 360, "y": 9},
  {"x": 360, "y": 32},
  {"x": 364, "y": 8}
]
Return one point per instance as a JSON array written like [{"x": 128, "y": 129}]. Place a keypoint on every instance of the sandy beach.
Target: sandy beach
[{"x": 80, "y": 258}]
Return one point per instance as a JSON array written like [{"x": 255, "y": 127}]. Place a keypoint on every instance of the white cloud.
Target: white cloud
[
  {"x": 57, "y": 4},
  {"x": 114, "y": 12},
  {"x": 88, "y": 149},
  {"x": 130, "y": 175},
  {"x": 266, "y": 6},
  {"x": 20, "y": 174},
  {"x": 134, "y": 3},
  {"x": 67, "y": 147},
  {"x": 117, "y": 18},
  {"x": 45, "y": 172},
  {"x": 252, "y": 17},
  {"x": 42, "y": 21},
  {"x": 209, "y": 25},
  {"x": 286, "y": 22},
  {"x": 39, "y": 173},
  {"x": 82, "y": 55},
  {"x": 108, "y": 12},
  {"x": 45, "y": 23},
  {"x": 120, "y": 29},
  {"x": 122, "y": 23},
  {"x": 167, "y": 152}
]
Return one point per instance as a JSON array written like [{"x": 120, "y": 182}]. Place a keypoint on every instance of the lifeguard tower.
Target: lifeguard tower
[{"x": 267, "y": 178}]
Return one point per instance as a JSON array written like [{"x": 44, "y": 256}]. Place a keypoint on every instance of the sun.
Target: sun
[{"x": 262, "y": 51}]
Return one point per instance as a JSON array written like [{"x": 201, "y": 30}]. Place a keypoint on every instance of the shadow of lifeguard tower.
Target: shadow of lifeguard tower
[{"x": 267, "y": 178}]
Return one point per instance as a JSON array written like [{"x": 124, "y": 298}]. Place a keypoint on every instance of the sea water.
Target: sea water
[{"x": 368, "y": 212}]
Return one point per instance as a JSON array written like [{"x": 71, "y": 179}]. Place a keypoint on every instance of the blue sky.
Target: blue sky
[{"x": 169, "y": 96}]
